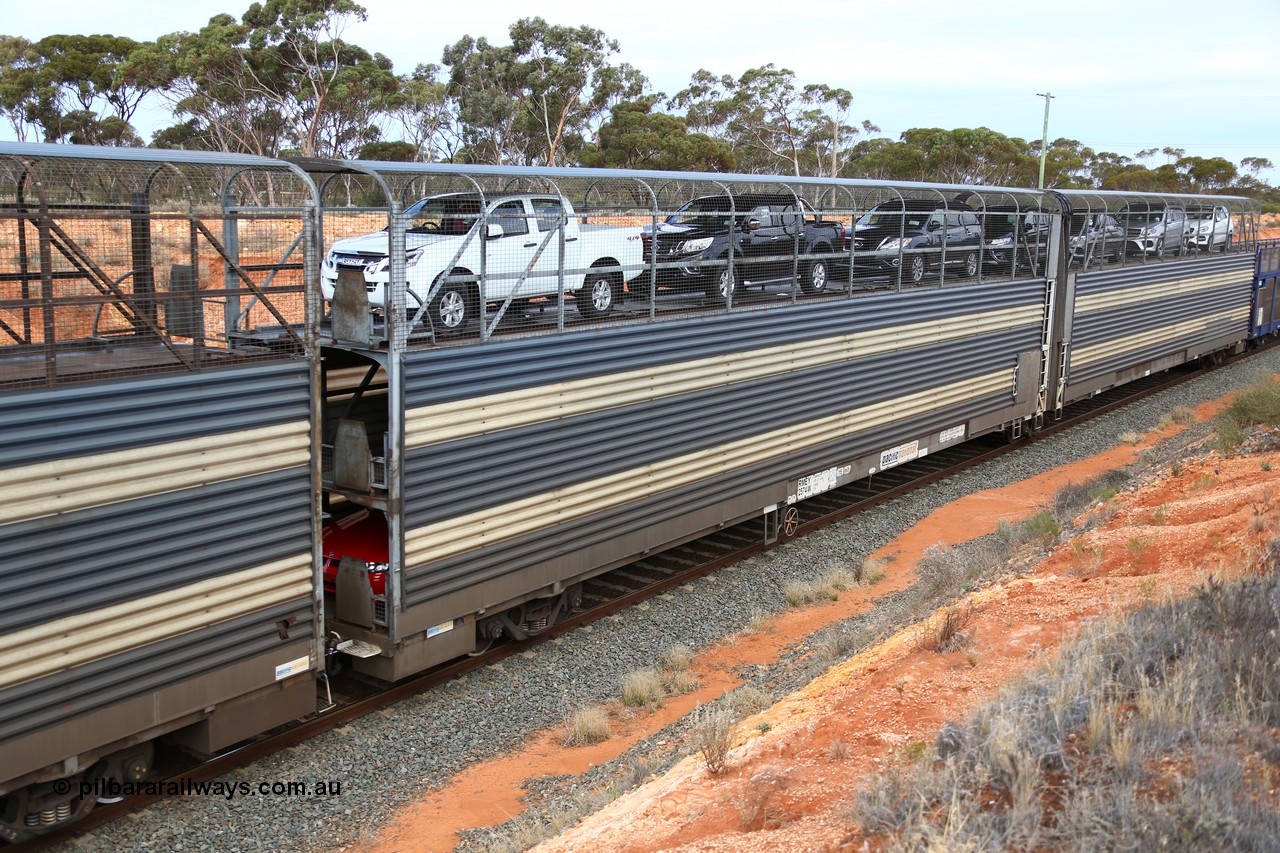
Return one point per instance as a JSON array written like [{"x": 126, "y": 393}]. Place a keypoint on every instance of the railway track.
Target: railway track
[{"x": 623, "y": 587}]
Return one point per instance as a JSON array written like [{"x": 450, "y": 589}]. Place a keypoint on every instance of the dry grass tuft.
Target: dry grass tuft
[
  {"x": 826, "y": 588},
  {"x": 586, "y": 726},
  {"x": 641, "y": 687},
  {"x": 870, "y": 572},
  {"x": 677, "y": 658},
  {"x": 947, "y": 634},
  {"x": 749, "y": 699}
]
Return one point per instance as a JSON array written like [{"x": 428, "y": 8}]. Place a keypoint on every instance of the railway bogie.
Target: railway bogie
[{"x": 216, "y": 483}]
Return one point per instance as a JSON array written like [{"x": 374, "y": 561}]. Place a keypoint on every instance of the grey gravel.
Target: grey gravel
[{"x": 392, "y": 758}]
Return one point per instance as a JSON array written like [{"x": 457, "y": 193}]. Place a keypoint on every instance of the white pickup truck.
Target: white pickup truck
[{"x": 520, "y": 250}]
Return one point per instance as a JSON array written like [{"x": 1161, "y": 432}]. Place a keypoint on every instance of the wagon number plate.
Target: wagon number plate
[{"x": 822, "y": 481}]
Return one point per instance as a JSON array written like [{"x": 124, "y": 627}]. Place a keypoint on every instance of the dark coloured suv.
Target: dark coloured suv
[
  {"x": 1014, "y": 239},
  {"x": 918, "y": 237},
  {"x": 1095, "y": 238},
  {"x": 772, "y": 239}
]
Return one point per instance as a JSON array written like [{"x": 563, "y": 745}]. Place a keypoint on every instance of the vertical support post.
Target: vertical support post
[
  {"x": 47, "y": 296},
  {"x": 652, "y": 272},
  {"x": 311, "y": 302},
  {"x": 231, "y": 242},
  {"x": 23, "y": 266},
  {"x": 144, "y": 277},
  {"x": 561, "y": 225},
  {"x": 394, "y": 455},
  {"x": 483, "y": 236},
  {"x": 395, "y": 294}
]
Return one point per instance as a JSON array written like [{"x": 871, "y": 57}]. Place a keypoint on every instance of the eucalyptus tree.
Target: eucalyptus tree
[
  {"x": 537, "y": 100},
  {"x": 1207, "y": 174},
  {"x": 22, "y": 88},
  {"x": 771, "y": 123},
  {"x": 72, "y": 88},
  {"x": 636, "y": 137},
  {"x": 956, "y": 156},
  {"x": 426, "y": 112},
  {"x": 281, "y": 78}
]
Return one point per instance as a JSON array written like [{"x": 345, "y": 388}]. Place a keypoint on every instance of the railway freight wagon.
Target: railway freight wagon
[
  {"x": 474, "y": 479},
  {"x": 155, "y": 466},
  {"x": 1142, "y": 314},
  {"x": 263, "y": 419}
]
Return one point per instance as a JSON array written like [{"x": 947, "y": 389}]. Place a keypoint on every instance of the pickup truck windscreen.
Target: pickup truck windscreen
[{"x": 442, "y": 215}]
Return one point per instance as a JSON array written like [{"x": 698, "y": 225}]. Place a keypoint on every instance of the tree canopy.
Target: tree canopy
[{"x": 282, "y": 79}]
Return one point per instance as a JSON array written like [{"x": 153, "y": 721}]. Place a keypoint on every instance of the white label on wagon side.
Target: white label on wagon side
[
  {"x": 439, "y": 629},
  {"x": 898, "y": 455},
  {"x": 955, "y": 433},
  {"x": 293, "y": 667}
]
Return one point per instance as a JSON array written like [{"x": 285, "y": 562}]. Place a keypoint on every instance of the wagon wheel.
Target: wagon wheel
[{"x": 790, "y": 522}]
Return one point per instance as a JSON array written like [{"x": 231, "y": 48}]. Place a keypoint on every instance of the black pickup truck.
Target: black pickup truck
[{"x": 773, "y": 240}]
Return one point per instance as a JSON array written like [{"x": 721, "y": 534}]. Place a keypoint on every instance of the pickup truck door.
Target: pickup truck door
[
  {"x": 509, "y": 256},
  {"x": 770, "y": 238},
  {"x": 548, "y": 213}
]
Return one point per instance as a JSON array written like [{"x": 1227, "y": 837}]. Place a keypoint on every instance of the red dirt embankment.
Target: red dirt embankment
[{"x": 791, "y": 773}]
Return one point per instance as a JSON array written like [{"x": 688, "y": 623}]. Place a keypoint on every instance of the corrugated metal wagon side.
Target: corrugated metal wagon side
[
  {"x": 504, "y": 461},
  {"x": 572, "y": 454},
  {"x": 1140, "y": 313},
  {"x": 157, "y": 509}
]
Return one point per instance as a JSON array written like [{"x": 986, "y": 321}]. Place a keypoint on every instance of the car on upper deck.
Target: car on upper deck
[
  {"x": 1209, "y": 228},
  {"x": 1095, "y": 238},
  {"x": 451, "y": 239},
  {"x": 773, "y": 236},
  {"x": 916, "y": 237},
  {"x": 1155, "y": 230}
]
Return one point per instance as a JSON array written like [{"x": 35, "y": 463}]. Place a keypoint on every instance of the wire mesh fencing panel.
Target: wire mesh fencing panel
[
  {"x": 1127, "y": 229},
  {"x": 118, "y": 263},
  {"x": 429, "y": 254}
]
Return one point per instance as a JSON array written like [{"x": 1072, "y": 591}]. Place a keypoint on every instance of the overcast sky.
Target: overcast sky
[{"x": 1202, "y": 76}]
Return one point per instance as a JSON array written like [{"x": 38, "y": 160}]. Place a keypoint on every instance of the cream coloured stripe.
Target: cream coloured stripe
[
  {"x": 1156, "y": 292},
  {"x": 65, "y": 485},
  {"x": 85, "y": 637},
  {"x": 465, "y": 533},
  {"x": 1088, "y": 355},
  {"x": 448, "y": 421}
]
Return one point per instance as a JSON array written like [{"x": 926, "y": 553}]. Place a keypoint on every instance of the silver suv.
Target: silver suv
[
  {"x": 1151, "y": 232},
  {"x": 1209, "y": 229}
]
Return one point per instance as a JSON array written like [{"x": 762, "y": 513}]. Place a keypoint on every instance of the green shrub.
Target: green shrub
[
  {"x": 1043, "y": 527},
  {"x": 1259, "y": 404}
]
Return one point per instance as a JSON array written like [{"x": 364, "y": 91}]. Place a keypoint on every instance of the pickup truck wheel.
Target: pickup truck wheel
[
  {"x": 600, "y": 292},
  {"x": 814, "y": 279},
  {"x": 916, "y": 269},
  {"x": 726, "y": 285},
  {"x": 453, "y": 307},
  {"x": 970, "y": 265}
]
